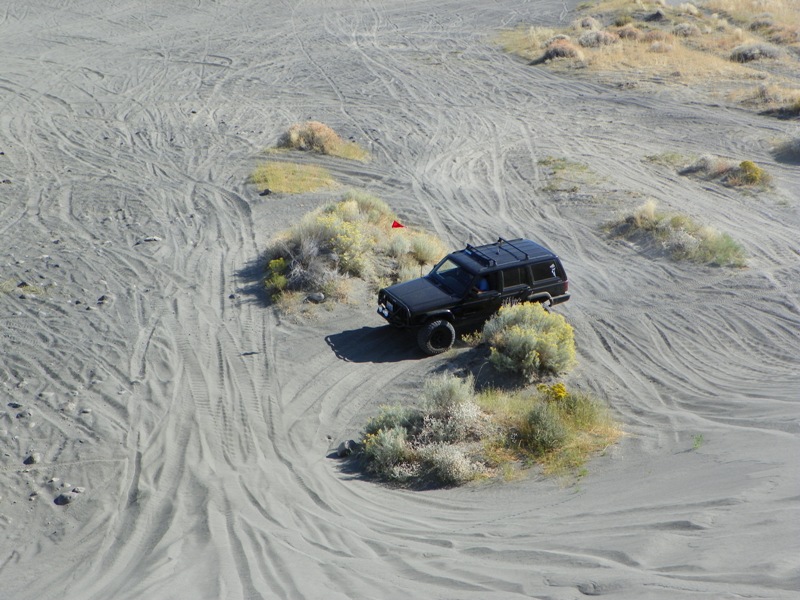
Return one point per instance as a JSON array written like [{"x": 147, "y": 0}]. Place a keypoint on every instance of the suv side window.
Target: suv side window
[
  {"x": 515, "y": 276},
  {"x": 544, "y": 270}
]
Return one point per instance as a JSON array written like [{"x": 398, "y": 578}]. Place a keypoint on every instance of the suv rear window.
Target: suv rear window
[{"x": 545, "y": 270}]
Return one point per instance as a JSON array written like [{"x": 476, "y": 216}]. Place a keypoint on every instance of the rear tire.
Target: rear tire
[{"x": 436, "y": 336}]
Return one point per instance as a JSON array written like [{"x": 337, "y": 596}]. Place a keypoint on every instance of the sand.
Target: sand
[{"x": 187, "y": 431}]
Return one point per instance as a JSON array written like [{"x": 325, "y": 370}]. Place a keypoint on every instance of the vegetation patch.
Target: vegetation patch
[
  {"x": 744, "y": 174},
  {"x": 565, "y": 175},
  {"x": 314, "y": 136},
  {"x": 291, "y": 178},
  {"x": 10, "y": 286},
  {"x": 645, "y": 39},
  {"x": 352, "y": 238},
  {"x": 771, "y": 98},
  {"x": 680, "y": 236},
  {"x": 457, "y": 435}
]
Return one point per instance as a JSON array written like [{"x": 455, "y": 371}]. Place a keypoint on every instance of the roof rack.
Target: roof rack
[
  {"x": 482, "y": 257},
  {"x": 517, "y": 248}
]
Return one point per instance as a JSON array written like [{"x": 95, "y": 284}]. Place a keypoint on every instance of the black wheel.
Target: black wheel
[{"x": 436, "y": 336}]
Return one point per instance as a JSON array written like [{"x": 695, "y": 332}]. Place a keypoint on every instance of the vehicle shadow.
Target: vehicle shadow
[{"x": 374, "y": 345}]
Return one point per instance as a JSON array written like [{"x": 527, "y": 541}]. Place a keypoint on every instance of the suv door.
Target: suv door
[
  {"x": 516, "y": 284},
  {"x": 482, "y": 300}
]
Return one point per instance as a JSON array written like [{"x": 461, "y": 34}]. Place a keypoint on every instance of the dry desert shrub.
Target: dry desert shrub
[
  {"x": 317, "y": 137},
  {"x": 745, "y": 173},
  {"x": 630, "y": 32},
  {"x": 661, "y": 47},
  {"x": 686, "y": 30},
  {"x": 687, "y": 8},
  {"x": 561, "y": 49},
  {"x": 770, "y": 95},
  {"x": 350, "y": 238},
  {"x": 587, "y": 23},
  {"x": 595, "y": 39},
  {"x": 459, "y": 435},
  {"x": 656, "y": 35},
  {"x": 681, "y": 237},
  {"x": 709, "y": 166},
  {"x": 750, "y": 52}
]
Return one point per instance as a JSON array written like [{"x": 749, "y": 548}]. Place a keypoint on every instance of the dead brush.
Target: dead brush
[
  {"x": 596, "y": 39},
  {"x": 314, "y": 136},
  {"x": 561, "y": 49}
]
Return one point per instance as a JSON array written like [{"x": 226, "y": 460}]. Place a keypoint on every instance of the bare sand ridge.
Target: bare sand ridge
[{"x": 188, "y": 429}]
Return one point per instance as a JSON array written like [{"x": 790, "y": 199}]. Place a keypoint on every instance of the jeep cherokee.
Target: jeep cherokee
[{"x": 468, "y": 286}]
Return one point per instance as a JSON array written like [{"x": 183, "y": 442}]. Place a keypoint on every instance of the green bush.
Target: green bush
[
  {"x": 386, "y": 449},
  {"x": 528, "y": 340},
  {"x": 394, "y": 417},
  {"x": 544, "y": 429}
]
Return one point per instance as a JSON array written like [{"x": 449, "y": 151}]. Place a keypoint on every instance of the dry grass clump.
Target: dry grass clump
[
  {"x": 772, "y": 97},
  {"x": 291, "y": 178},
  {"x": 686, "y": 30},
  {"x": 664, "y": 42},
  {"x": 314, "y": 136},
  {"x": 750, "y": 52},
  {"x": 585, "y": 23},
  {"x": 529, "y": 341},
  {"x": 350, "y": 238},
  {"x": 595, "y": 39},
  {"x": 561, "y": 48},
  {"x": 458, "y": 435},
  {"x": 681, "y": 237},
  {"x": 745, "y": 173}
]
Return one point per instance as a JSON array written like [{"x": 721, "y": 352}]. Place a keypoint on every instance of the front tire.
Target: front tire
[{"x": 436, "y": 337}]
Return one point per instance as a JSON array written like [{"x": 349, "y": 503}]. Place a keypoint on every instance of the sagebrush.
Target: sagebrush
[{"x": 457, "y": 435}]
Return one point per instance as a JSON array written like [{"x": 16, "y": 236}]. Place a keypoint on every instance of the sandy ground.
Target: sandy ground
[{"x": 143, "y": 369}]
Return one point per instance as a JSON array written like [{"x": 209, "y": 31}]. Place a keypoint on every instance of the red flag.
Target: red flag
[{"x": 395, "y": 225}]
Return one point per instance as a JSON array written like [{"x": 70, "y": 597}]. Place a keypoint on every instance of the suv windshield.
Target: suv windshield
[{"x": 453, "y": 277}]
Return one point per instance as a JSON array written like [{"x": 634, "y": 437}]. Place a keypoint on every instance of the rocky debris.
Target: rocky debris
[
  {"x": 33, "y": 458},
  {"x": 347, "y": 448},
  {"x": 149, "y": 238},
  {"x": 65, "y": 498}
]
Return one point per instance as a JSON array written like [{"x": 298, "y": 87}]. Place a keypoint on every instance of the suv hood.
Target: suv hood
[{"x": 420, "y": 295}]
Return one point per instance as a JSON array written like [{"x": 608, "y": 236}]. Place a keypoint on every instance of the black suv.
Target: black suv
[{"x": 469, "y": 286}]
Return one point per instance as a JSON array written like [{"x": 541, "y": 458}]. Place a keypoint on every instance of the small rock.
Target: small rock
[
  {"x": 316, "y": 297},
  {"x": 64, "y": 499},
  {"x": 23, "y": 284},
  {"x": 103, "y": 299},
  {"x": 347, "y": 448},
  {"x": 232, "y": 297},
  {"x": 15, "y": 405},
  {"x": 152, "y": 238},
  {"x": 265, "y": 192},
  {"x": 24, "y": 414},
  {"x": 6, "y": 181},
  {"x": 78, "y": 490},
  {"x": 33, "y": 458},
  {"x": 86, "y": 411}
]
